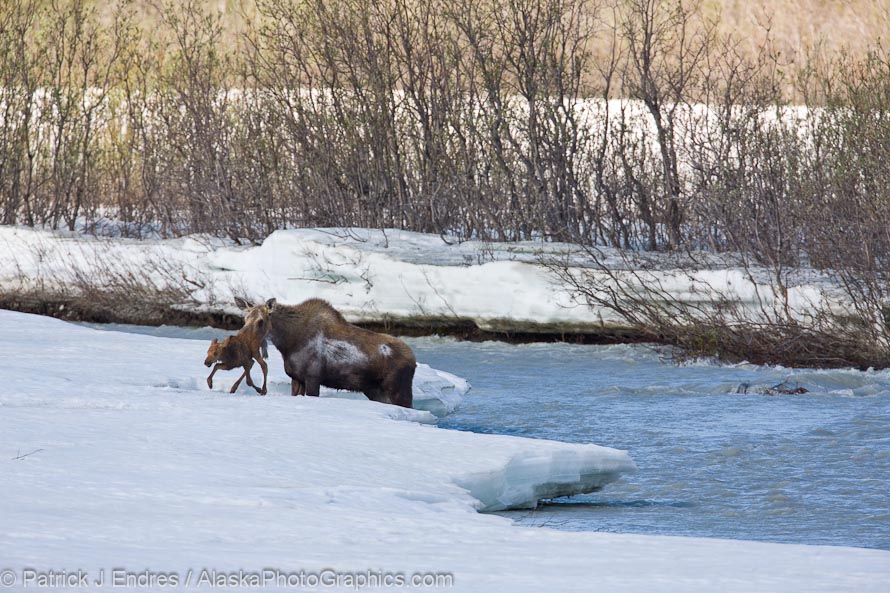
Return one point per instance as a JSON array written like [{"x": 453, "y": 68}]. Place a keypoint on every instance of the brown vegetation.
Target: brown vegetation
[
  {"x": 476, "y": 120},
  {"x": 794, "y": 25}
]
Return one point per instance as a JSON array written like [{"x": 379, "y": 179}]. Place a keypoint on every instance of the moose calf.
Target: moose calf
[
  {"x": 320, "y": 347},
  {"x": 237, "y": 351}
]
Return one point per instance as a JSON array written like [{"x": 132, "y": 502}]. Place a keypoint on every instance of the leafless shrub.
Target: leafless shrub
[
  {"x": 93, "y": 277},
  {"x": 634, "y": 124}
]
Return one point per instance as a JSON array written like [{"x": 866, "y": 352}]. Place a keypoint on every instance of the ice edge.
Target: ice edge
[{"x": 532, "y": 476}]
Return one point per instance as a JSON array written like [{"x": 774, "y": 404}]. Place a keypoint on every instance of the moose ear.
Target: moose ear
[
  {"x": 243, "y": 303},
  {"x": 214, "y": 342},
  {"x": 271, "y": 302}
]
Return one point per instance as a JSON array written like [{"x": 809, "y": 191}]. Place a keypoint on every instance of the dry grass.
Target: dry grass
[
  {"x": 854, "y": 25},
  {"x": 796, "y": 24}
]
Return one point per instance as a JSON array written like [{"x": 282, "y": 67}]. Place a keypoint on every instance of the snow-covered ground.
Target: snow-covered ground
[
  {"x": 115, "y": 455},
  {"x": 369, "y": 275}
]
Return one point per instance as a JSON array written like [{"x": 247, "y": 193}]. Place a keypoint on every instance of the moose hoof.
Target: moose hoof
[{"x": 209, "y": 382}]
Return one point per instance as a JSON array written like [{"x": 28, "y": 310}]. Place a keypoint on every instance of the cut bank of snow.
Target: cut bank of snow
[
  {"x": 116, "y": 455},
  {"x": 370, "y": 275}
]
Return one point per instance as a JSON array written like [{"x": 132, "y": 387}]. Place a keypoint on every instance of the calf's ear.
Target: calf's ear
[
  {"x": 214, "y": 342},
  {"x": 271, "y": 302}
]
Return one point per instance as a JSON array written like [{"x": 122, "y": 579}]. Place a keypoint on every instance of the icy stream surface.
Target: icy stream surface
[{"x": 809, "y": 469}]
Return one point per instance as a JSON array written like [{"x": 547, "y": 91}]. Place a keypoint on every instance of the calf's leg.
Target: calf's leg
[
  {"x": 246, "y": 373},
  {"x": 216, "y": 367}
]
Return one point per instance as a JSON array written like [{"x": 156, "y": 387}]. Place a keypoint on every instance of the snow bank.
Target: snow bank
[
  {"x": 68, "y": 367},
  {"x": 373, "y": 275},
  {"x": 116, "y": 455},
  {"x": 370, "y": 275},
  {"x": 367, "y": 275}
]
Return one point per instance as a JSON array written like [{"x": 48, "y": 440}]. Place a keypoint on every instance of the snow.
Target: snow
[
  {"x": 381, "y": 275},
  {"x": 116, "y": 455},
  {"x": 67, "y": 367}
]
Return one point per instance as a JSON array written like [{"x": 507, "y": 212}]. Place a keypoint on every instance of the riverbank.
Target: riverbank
[
  {"x": 396, "y": 281},
  {"x": 122, "y": 458}
]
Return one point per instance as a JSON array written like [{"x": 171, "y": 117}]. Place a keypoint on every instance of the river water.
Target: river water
[{"x": 808, "y": 468}]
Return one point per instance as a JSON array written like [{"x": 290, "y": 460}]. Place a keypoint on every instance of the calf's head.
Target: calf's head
[{"x": 214, "y": 353}]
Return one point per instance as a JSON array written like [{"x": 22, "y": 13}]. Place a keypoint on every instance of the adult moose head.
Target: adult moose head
[{"x": 320, "y": 347}]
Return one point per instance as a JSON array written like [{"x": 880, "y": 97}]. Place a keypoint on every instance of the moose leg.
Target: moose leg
[
  {"x": 259, "y": 358},
  {"x": 312, "y": 386},
  {"x": 241, "y": 378},
  {"x": 216, "y": 367},
  {"x": 377, "y": 395},
  {"x": 247, "y": 368},
  {"x": 297, "y": 387}
]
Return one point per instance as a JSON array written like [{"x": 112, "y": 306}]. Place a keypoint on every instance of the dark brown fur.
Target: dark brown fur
[
  {"x": 238, "y": 351},
  {"x": 320, "y": 347}
]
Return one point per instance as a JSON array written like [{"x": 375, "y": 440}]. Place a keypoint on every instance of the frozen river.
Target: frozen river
[{"x": 811, "y": 468}]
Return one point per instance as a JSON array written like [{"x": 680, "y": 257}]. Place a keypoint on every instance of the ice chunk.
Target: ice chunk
[
  {"x": 549, "y": 470},
  {"x": 437, "y": 391}
]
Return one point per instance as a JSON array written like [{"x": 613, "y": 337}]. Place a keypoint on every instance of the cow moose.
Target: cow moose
[{"x": 320, "y": 347}]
